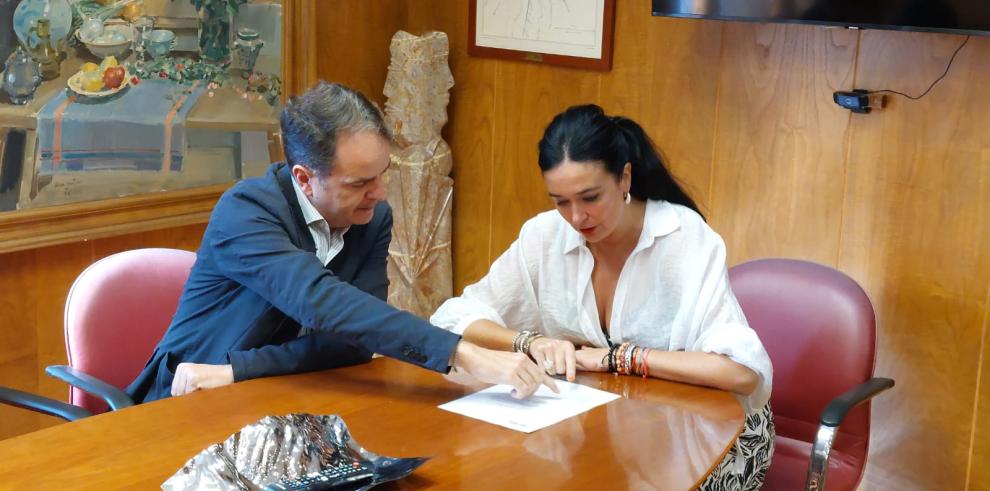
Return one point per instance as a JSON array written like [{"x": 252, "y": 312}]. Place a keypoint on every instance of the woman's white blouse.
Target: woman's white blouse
[{"x": 673, "y": 292}]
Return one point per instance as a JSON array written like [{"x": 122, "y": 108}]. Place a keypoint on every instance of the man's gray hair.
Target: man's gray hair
[{"x": 312, "y": 122}]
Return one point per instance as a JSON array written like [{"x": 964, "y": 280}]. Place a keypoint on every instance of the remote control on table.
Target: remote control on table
[{"x": 341, "y": 474}]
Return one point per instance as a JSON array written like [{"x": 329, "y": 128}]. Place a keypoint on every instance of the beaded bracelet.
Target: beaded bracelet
[
  {"x": 622, "y": 359},
  {"x": 629, "y": 360},
  {"x": 615, "y": 358},
  {"x": 609, "y": 359},
  {"x": 644, "y": 363}
]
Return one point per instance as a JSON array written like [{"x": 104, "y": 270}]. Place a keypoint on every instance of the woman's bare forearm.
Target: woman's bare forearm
[
  {"x": 488, "y": 334},
  {"x": 708, "y": 369}
]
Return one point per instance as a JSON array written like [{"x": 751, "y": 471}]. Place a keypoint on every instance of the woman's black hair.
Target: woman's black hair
[{"x": 587, "y": 134}]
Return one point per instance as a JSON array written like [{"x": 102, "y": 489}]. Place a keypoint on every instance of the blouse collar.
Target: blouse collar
[{"x": 660, "y": 219}]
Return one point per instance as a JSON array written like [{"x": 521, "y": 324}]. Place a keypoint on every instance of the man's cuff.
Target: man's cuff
[{"x": 239, "y": 366}]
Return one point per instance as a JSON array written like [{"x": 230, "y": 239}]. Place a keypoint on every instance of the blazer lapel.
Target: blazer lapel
[
  {"x": 351, "y": 258},
  {"x": 340, "y": 265}
]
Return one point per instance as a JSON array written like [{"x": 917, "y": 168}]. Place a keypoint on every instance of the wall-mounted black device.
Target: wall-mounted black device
[
  {"x": 952, "y": 16},
  {"x": 859, "y": 101}
]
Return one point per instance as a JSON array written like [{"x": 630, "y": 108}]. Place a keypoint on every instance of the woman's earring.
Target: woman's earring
[{"x": 628, "y": 198}]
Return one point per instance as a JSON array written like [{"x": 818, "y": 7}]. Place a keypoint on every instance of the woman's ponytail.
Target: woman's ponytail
[
  {"x": 650, "y": 177},
  {"x": 586, "y": 134}
]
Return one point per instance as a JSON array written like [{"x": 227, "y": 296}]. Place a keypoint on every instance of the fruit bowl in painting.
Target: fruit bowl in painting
[
  {"x": 114, "y": 41},
  {"x": 76, "y": 85}
]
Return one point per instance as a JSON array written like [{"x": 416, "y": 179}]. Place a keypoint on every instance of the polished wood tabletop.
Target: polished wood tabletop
[{"x": 658, "y": 435}]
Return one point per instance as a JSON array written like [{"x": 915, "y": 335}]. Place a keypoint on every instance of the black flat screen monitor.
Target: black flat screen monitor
[{"x": 953, "y": 16}]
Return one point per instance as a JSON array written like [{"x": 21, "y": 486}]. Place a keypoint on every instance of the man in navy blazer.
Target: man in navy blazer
[{"x": 291, "y": 272}]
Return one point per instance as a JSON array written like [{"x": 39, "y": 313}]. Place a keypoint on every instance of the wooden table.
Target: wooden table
[{"x": 659, "y": 435}]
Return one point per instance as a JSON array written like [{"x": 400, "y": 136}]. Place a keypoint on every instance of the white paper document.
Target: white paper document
[{"x": 544, "y": 408}]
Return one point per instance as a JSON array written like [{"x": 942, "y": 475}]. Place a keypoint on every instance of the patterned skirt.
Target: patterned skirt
[{"x": 755, "y": 448}]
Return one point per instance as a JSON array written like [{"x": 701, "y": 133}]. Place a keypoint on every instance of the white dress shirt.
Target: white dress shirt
[
  {"x": 672, "y": 294},
  {"x": 329, "y": 242}
]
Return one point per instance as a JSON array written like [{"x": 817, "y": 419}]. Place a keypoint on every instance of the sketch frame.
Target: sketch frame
[{"x": 601, "y": 63}]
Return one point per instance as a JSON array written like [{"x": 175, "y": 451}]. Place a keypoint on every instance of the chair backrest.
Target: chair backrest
[
  {"x": 819, "y": 328},
  {"x": 117, "y": 311}
]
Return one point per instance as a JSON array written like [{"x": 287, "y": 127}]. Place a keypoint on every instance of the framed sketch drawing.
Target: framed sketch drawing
[{"x": 571, "y": 33}]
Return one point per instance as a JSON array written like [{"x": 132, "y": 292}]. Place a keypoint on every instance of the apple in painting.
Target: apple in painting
[{"x": 113, "y": 77}]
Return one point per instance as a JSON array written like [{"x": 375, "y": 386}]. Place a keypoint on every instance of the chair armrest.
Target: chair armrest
[
  {"x": 830, "y": 420},
  {"x": 34, "y": 402},
  {"x": 116, "y": 398},
  {"x": 837, "y": 410}
]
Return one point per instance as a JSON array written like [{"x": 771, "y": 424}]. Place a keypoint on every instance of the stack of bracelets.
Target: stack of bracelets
[
  {"x": 627, "y": 359},
  {"x": 523, "y": 340}
]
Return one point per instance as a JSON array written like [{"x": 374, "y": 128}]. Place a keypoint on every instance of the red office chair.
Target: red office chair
[
  {"x": 116, "y": 312},
  {"x": 819, "y": 329}
]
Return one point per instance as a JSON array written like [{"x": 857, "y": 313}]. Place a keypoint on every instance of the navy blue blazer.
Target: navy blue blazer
[{"x": 257, "y": 279}]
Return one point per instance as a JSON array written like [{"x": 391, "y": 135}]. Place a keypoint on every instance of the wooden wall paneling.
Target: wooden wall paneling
[
  {"x": 52, "y": 273},
  {"x": 90, "y": 220},
  {"x": 781, "y": 142},
  {"x": 18, "y": 338},
  {"x": 665, "y": 76},
  {"x": 353, "y": 39},
  {"x": 18, "y": 370},
  {"x": 187, "y": 238},
  {"x": 916, "y": 235},
  {"x": 469, "y": 132},
  {"x": 299, "y": 45},
  {"x": 978, "y": 470},
  {"x": 34, "y": 283},
  {"x": 527, "y": 97}
]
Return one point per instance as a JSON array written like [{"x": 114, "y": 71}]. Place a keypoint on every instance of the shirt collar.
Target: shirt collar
[
  {"x": 659, "y": 219},
  {"x": 309, "y": 212}
]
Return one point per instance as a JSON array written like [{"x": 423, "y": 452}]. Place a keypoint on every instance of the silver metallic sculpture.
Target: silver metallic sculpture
[{"x": 282, "y": 447}]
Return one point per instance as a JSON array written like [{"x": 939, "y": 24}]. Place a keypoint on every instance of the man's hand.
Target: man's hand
[
  {"x": 555, "y": 356},
  {"x": 502, "y": 367},
  {"x": 190, "y": 377},
  {"x": 590, "y": 359}
]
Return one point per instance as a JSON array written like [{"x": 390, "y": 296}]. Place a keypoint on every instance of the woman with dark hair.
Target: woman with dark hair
[{"x": 624, "y": 276}]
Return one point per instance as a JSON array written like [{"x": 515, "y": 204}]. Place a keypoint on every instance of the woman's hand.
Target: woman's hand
[
  {"x": 590, "y": 359},
  {"x": 555, "y": 356}
]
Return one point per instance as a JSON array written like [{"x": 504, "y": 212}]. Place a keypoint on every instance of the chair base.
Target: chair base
[{"x": 789, "y": 468}]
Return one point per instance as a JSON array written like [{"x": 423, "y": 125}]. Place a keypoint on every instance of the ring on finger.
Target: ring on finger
[{"x": 548, "y": 366}]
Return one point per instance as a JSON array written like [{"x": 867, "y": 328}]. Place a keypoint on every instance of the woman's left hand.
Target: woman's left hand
[
  {"x": 590, "y": 359},
  {"x": 555, "y": 356}
]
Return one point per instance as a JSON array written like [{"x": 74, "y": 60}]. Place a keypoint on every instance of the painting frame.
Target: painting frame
[
  {"x": 605, "y": 29},
  {"x": 55, "y": 224}
]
